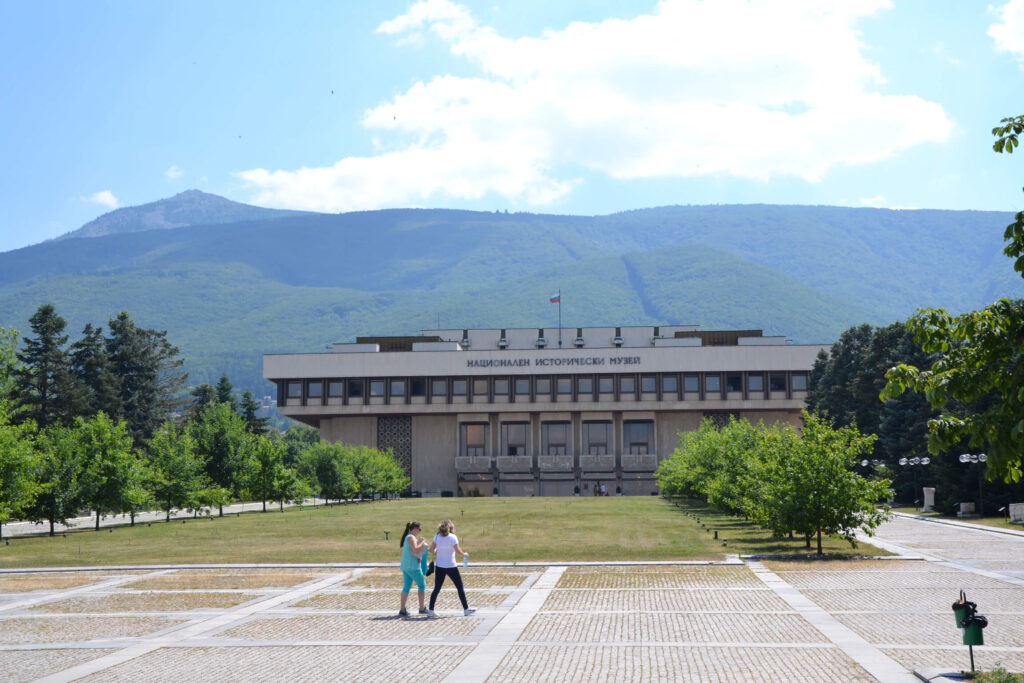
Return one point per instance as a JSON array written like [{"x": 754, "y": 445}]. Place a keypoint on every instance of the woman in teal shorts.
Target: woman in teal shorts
[{"x": 414, "y": 565}]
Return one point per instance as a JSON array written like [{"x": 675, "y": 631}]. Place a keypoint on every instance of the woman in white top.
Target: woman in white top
[{"x": 445, "y": 546}]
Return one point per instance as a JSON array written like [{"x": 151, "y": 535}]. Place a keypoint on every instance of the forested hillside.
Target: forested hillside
[{"x": 229, "y": 291}]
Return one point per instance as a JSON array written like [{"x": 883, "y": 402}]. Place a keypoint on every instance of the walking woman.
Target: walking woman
[
  {"x": 445, "y": 546},
  {"x": 414, "y": 565}
]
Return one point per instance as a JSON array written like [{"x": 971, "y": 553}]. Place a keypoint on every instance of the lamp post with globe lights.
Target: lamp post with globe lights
[
  {"x": 912, "y": 462},
  {"x": 980, "y": 458}
]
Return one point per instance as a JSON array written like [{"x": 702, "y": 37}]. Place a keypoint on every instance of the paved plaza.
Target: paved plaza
[{"x": 737, "y": 620}]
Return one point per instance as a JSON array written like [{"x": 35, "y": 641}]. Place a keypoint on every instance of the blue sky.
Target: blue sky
[{"x": 572, "y": 107}]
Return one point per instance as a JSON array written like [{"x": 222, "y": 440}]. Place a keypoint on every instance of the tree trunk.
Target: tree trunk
[
  {"x": 282, "y": 505},
  {"x": 264, "y": 504},
  {"x": 819, "y": 541},
  {"x": 51, "y": 527},
  {"x": 133, "y": 517},
  {"x": 97, "y": 520},
  {"x": 168, "y": 514},
  {"x": 221, "y": 510},
  {"x": 807, "y": 540}
]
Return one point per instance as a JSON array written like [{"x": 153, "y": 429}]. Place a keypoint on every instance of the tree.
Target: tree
[
  {"x": 59, "y": 469},
  {"x": 149, "y": 373},
  {"x": 18, "y": 488},
  {"x": 250, "y": 409},
  {"x": 112, "y": 475},
  {"x": 267, "y": 470},
  {"x": 90, "y": 365},
  {"x": 298, "y": 439},
  {"x": 980, "y": 353},
  {"x": 44, "y": 388},
  {"x": 176, "y": 469},
  {"x": 222, "y": 440},
  {"x": 324, "y": 466},
  {"x": 226, "y": 392},
  {"x": 202, "y": 396},
  {"x": 8, "y": 359}
]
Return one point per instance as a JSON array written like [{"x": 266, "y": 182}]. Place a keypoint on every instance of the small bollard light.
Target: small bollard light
[
  {"x": 110, "y": 530},
  {"x": 716, "y": 535},
  {"x": 387, "y": 535},
  {"x": 725, "y": 542}
]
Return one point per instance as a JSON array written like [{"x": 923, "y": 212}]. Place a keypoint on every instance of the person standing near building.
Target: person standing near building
[
  {"x": 414, "y": 565},
  {"x": 446, "y": 546}
]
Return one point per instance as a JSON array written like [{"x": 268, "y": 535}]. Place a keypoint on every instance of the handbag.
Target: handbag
[{"x": 430, "y": 569}]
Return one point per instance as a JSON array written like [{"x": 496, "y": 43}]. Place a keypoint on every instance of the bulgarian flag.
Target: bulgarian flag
[{"x": 557, "y": 298}]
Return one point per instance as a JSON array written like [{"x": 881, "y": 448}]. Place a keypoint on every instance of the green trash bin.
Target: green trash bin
[
  {"x": 962, "y": 611},
  {"x": 973, "y": 630}
]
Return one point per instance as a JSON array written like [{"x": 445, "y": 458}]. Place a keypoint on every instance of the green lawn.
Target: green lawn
[
  {"x": 491, "y": 529},
  {"x": 996, "y": 521}
]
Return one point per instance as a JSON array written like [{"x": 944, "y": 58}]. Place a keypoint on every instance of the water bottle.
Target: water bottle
[{"x": 465, "y": 561}]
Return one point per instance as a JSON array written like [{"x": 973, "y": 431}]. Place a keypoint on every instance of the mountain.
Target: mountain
[
  {"x": 269, "y": 281},
  {"x": 191, "y": 207}
]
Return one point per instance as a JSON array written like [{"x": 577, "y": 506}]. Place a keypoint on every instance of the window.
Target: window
[
  {"x": 734, "y": 382},
  {"x": 691, "y": 383},
  {"x": 627, "y": 384},
  {"x": 638, "y": 437},
  {"x": 480, "y": 387},
  {"x": 712, "y": 383},
  {"x": 417, "y": 386},
  {"x": 522, "y": 386},
  {"x": 670, "y": 383},
  {"x": 458, "y": 387},
  {"x": 398, "y": 387},
  {"x": 755, "y": 382},
  {"x": 543, "y": 385},
  {"x": 777, "y": 382},
  {"x": 648, "y": 384},
  {"x": 514, "y": 438},
  {"x": 799, "y": 382},
  {"x": 315, "y": 390},
  {"x": 501, "y": 387},
  {"x": 376, "y": 387},
  {"x": 597, "y": 438},
  {"x": 472, "y": 438},
  {"x": 606, "y": 385},
  {"x": 554, "y": 438},
  {"x": 585, "y": 385},
  {"x": 438, "y": 387},
  {"x": 564, "y": 385},
  {"x": 294, "y": 389},
  {"x": 335, "y": 389},
  {"x": 355, "y": 388}
]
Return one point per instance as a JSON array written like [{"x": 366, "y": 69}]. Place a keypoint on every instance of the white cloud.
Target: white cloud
[
  {"x": 877, "y": 201},
  {"x": 105, "y": 198},
  {"x": 747, "y": 88},
  {"x": 1008, "y": 31},
  {"x": 173, "y": 173}
]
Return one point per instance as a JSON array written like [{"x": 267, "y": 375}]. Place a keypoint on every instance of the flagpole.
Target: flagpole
[{"x": 559, "y": 317}]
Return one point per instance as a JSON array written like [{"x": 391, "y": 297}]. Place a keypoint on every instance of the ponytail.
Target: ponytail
[{"x": 408, "y": 528}]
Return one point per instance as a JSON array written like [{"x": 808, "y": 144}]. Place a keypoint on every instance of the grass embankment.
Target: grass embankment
[
  {"x": 491, "y": 529},
  {"x": 996, "y": 521}
]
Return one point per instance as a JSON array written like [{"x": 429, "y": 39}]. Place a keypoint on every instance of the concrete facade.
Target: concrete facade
[{"x": 511, "y": 412}]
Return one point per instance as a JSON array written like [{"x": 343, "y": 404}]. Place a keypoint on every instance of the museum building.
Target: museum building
[{"x": 543, "y": 412}]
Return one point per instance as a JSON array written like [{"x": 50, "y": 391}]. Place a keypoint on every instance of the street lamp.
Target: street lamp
[
  {"x": 912, "y": 462},
  {"x": 980, "y": 458}
]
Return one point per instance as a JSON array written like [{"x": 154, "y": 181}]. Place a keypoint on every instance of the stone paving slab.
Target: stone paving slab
[
  {"x": 915, "y": 629},
  {"x": 956, "y": 658},
  {"x": 28, "y": 665},
  {"x": 24, "y": 583},
  {"x": 353, "y": 627},
  {"x": 852, "y": 579},
  {"x": 677, "y": 663},
  {"x": 470, "y": 579},
  {"x": 664, "y": 600},
  {"x": 248, "y": 579},
  {"x": 146, "y": 602},
  {"x": 989, "y": 601},
  {"x": 447, "y": 599},
  {"x": 295, "y": 664},
  {"x": 658, "y": 577},
  {"x": 78, "y": 629},
  {"x": 671, "y": 628}
]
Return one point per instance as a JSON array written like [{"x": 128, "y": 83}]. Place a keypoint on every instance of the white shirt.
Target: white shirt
[{"x": 445, "y": 550}]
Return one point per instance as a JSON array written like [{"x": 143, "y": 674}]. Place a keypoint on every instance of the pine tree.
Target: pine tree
[
  {"x": 255, "y": 424},
  {"x": 44, "y": 388},
  {"x": 90, "y": 364},
  {"x": 226, "y": 393},
  {"x": 202, "y": 397}
]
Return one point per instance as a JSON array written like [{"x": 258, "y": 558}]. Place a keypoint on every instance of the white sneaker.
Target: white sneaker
[
  {"x": 431, "y": 613},
  {"x": 469, "y": 610}
]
